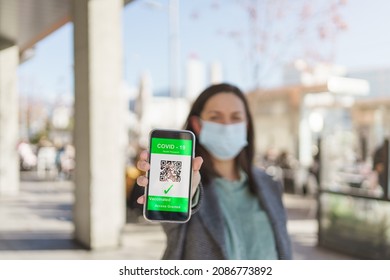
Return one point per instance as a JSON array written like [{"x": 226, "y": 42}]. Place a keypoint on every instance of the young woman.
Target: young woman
[{"x": 237, "y": 208}]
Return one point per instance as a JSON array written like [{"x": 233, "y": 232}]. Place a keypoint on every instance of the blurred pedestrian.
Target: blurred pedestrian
[
  {"x": 287, "y": 164},
  {"x": 68, "y": 161},
  {"x": 379, "y": 165},
  {"x": 27, "y": 157},
  {"x": 270, "y": 157},
  {"x": 315, "y": 168},
  {"x": 239, "y": 213},
  {"x": 46, "y": 159},
  {"x": 60, "y": 149}
]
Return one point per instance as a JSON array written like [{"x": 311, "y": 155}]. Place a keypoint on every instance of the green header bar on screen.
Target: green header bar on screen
[{"x": 171, "y": 146}]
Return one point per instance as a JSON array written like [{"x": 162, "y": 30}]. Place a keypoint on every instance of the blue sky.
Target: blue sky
[{"x": 221, "y": 31}]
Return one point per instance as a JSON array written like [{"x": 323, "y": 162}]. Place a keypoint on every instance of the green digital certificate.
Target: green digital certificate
[{"x": 170, "y": 175}]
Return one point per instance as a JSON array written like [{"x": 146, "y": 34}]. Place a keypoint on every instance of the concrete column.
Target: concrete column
[
  {"x": 9, "y": 160},
  {"x": 99, "y": 211}
]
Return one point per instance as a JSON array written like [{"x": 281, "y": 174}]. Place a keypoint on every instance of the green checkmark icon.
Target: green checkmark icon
[{"x": 168, "y": 189}]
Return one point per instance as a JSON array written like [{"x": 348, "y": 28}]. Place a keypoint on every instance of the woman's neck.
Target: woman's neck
[{"x": 227, "y": 169}]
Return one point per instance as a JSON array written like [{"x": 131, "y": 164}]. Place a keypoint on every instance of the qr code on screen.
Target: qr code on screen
[{"x": 170, "y": 171}]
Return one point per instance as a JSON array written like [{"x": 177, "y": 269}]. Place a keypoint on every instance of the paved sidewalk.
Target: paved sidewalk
[{"x": 37, "y": 224}]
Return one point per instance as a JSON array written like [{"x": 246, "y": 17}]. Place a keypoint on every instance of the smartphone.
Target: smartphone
[{"x": 168, "y": 193}]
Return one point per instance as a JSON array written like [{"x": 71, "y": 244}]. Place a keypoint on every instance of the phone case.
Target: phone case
[{"x": 168, "y": 193}]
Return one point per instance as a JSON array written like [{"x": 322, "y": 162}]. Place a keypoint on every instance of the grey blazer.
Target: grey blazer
[{"x": 203, "y": 236}]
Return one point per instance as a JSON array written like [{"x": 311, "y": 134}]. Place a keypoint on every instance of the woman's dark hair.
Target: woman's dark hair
[{"x": 244, "y": 159}]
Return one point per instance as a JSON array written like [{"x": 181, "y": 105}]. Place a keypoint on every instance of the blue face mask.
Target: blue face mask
[{"x": 223, "y": 141}]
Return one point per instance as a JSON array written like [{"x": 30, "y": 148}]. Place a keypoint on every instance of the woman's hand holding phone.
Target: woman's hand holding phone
[{"x": 144, "y": 166}]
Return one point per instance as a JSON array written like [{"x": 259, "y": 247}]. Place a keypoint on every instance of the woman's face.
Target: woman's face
[{"x": 224, "y": 108}]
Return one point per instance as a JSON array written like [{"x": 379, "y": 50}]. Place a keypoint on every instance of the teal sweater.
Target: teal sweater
[{"x": 248, "y": 232}]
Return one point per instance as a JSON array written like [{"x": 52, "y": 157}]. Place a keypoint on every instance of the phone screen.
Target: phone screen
[{"x": 168, "y": 192}]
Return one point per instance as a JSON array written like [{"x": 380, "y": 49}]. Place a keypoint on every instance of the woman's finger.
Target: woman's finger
[
  {"x": 197, "y": 163},
  {"x": 142, "y": 181},
  {"x": 141, "y": 199},
  {"x": 143, "y": 165},
  {"x": 144, "y": 155}
]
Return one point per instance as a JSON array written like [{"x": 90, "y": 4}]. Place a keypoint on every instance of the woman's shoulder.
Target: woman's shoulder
[
  {"x": 261, "y": 173},
  {"x": 265, "y": 180}
]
